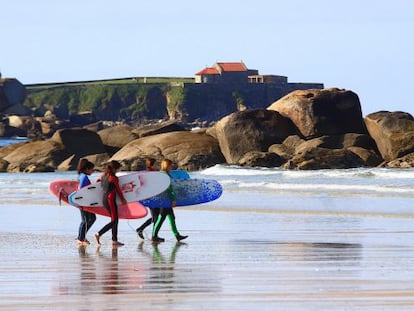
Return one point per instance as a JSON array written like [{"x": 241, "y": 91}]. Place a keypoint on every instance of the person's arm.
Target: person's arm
[
  {"x": 83, "y": 181},
  {"x": 115, "y": 180},
  {"x": 170, "y": 191},
  {"x": 171, "y": 194},
  {"x": 100, "y": 177}
]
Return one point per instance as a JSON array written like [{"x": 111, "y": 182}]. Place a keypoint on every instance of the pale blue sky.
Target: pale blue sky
[{"x": 364, "y": 46}]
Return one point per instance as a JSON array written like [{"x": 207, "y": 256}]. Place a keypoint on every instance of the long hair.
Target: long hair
[
  {"x": 165, "y": 164},
  {"x": 149, "y": 164},
  {"x": 112, "y": 167},
  {"x": 83, "y": 165}
]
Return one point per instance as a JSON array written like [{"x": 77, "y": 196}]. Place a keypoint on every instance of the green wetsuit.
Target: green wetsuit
[{"x": 166, "y": 212}]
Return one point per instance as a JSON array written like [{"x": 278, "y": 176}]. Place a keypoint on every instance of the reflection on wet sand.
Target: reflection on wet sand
[
  {"x": 152, "y": 271},
  {"x": 105, "y": 274},
  {"x": 322, "y": 251},
  {"x": 87, "y": 271},
  {"x": 156, "y": 269},
  {"x": 110, "y": 282},
  {"x": 303, "y": 251},
  {"x": 161, "y": 271}
]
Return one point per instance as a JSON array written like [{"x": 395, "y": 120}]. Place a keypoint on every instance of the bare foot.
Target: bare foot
[
  {"x": 97, "y": 238},
  {"x": 81, "y": 243},
  {"x": 116, "y": 243}
]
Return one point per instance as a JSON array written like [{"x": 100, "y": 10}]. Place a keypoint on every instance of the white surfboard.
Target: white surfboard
[{"x": 135, "y": 186}]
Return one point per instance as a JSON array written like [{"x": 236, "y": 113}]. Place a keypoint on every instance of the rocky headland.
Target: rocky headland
[{"x": 305, "y": 129}]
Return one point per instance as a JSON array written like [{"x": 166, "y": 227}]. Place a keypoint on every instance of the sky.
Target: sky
[{"x": 365, "y": 46}]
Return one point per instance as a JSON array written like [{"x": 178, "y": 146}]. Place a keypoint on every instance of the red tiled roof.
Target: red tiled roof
[
  {"x": 232, "y": 66},
  {"x": 207, "y": 71}
]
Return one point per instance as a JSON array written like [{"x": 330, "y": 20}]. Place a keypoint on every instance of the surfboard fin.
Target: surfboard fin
[{"x": 62, "y": 194}]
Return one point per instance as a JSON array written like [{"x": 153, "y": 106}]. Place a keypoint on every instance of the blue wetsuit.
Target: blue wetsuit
[{"x": 87, "y": 218}]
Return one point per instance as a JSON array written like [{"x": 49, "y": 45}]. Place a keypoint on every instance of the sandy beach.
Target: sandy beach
[{"x": 231, "y": 260}]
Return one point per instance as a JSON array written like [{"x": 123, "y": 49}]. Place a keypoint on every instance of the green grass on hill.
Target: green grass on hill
[{"x": 137, "y": 80}]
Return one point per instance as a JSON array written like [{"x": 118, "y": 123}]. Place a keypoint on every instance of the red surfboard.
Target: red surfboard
[{"x": 62, "y": 188}]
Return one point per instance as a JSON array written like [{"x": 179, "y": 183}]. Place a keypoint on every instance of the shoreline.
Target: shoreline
[{"x": 231, "y": 260}]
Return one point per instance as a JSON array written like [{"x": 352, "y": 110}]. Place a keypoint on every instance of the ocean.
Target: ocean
[
  {"x": 5, "y": 141},
  {"x": 275, "y": 240}
]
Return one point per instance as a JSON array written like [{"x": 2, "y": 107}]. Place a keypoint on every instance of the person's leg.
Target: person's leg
[
  {"x": 140, "y": 229},
  {"x": 157, "y": 226},
  {"x": 90, "y": 220},
  {"x": 115, "y": 230},
  {"x": 115, "y": 219},
  {"x": 171, "y": 220},
  {"x": 154, "y": 216},
  {"x": 155, "y": 212},
  {"x": 82, "y": 226},
  {"x": 109, "y": 225},
  {"x": 101, "y": 232},
  {"x": 144, "y": 225}
]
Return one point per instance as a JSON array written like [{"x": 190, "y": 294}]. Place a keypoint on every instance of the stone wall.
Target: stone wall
[
  {"x": 12, "y": 92},
  {"x": 212, "y": 101}
]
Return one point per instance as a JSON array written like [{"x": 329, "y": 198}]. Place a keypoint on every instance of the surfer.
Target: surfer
[
  {"x": 150, "y": 166},
  {"x": 110, "y": 186},
  {"x": 167, "y": 212},
  {"x": 85, "y": 168}
]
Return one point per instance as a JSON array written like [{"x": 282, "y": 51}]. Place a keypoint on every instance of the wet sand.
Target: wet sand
[{"x": 231, "y": 260}]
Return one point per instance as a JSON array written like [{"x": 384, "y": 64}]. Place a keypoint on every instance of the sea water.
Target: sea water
[
  {"x": 363, "y": 193},
  {"x": 275, "y": 240},
  {"x": 5, "y": 141},
  {"x": 360, "y": 191},
  {"x": 378, "y": 191}
]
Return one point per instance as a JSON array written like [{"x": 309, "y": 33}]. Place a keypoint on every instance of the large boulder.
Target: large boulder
[
  {"x": 83, "y": 118},
  {"x": 323, "y": 158},
  {"x": 189, "y": 150},
  {"x": 62, "y": 151},
  {"x": 298, "y": 150},
  {"x": 95, "y": 127},
  {"x": 71, "y": 163},
  {"x": 393, "y": 133},
  {"x": 369, "y": 158},
  {"x": 339, "y": 142},
  {"x": 5, "y": 150},
  {"x": 116, "y": 137},
  {"x": 158, "y": 128},
  {"x": 78, "y": 142},
  {"x": 26, "y": 124},
  {"x": 261, "y": 159},
  {"x": 81, "y": 142},
  {"x": 322, "y": 112},
  {"x": 48, "y": 126},
  {"x": 36, "y": 156},
  {"x": 9, "y": 131},
  {"x": 250, "y": 130},
  {"x": 406, "y": 161}
]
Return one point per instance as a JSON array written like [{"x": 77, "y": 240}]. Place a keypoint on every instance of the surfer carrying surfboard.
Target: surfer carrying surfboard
[
  {"x": 85, "y": 168},
  {"x": 150, "y": 166},
  {"x": 167, "y": 212},
  {"x": 110, "y": 186}
]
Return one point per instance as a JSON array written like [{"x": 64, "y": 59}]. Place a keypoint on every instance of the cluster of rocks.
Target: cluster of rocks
[{"x": 306, "y": 129}]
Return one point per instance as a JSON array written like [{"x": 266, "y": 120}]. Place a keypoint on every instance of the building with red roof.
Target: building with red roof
[{"x": 225, "y": 72}]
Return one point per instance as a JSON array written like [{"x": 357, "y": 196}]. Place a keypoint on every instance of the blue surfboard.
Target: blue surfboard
[
  {"x": 179, "y": 174},
  {"x": 187, "y": 192}
]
